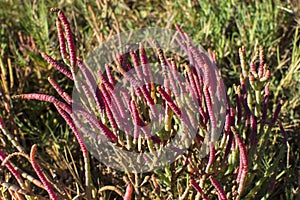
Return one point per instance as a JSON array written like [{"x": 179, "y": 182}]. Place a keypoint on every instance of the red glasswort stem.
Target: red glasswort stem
[
  {"x": 243, "y": 170},
  {"x": 198, "y": 188},
  {"x": 145, "y": 64},
  {"x": 91, "y": 82},
  {"x": 227, "y": 122},
  {"x": 228, "y": 146},
  {"x": 238, "y": 107},
  {"x": 220, "y": 191},
  {"x": 57, "y": 66},
  {"x": 136, "y": 64},
  {"x": 45, "y": 98},
  {"x": 209, "y": 107},
  {"x": 212, "y": 153},
  {"x": 14, "y": 172},
  {"x": 69, "y": 121},
  {"x": 106, "y": 82},
  {"x": 2, "y": 125},
  {"x": 170, "y": 102},
  {"x": 129, "y": 191},
  {"x": 40, "y": 174},
  {"x": 60, "y": 91},
  {"x": 97, "y": 123},
  {"x": 109, "y": 75},
  {"x": 61, "y": 38},
  {"x": 136, "y": 118},
  {"x": 69, "y": 37},
  {"x": 157, "y": 188},
  {"x": 108, "y": 100}
]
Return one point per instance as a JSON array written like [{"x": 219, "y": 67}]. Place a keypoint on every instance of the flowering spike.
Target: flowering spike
[
  {"x": 210, "y": 110},
  {"x": 243, "y": 169},
  {"x": 97, "y": 123},
  {"x": 220, "y": 191},
  {"x": 40, "y": 174},
  {"x": 60, "y": 91},
  {"x": 69, "y": 121},
  {"x": 109, "y": 74},
  {"x": 61, "y": 38},
  {"x": 136, "y": 64},
  {"x": 45, "y": 98},
  {"x": 69, "y": 37},
  {"x": 57, "y": 66}
]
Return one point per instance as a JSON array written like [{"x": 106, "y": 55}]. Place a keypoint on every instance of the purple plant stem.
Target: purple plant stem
[
  {"x": 57, "y": 66},
  {"x": 172, "y": 82},
  {"x": 91, "y": 82},
  {"x": 137, "y": 120},
  {"x": 238, "y": 108},
  {"x": 110, "y": 89},
  {"x": 176, "y": 75},
  {"x": 209, "y": 106},
  {"x": 145, "y": 64},
  {"x": 69, "y": 121},
  {"x": 212, "y": 153},
  {"x": 285, "y": 135},
  {"x": 14, "y": 172},
  {"x": 61, "y": 38},
  {"x": 40, "y": 174},
  {"x": 118, "y": 101},
  {"x": 110, "y": 117},
  {"x": 232, "y": 118},
  {"x": 277, "y": 111},
  {"x": 111, "y": 106},
  {"x": 220, "y": 191},
  {"x": 171, "y": 103},
  {"x": 97, "y": 123},
  {"x": 136, "y": 65},
  {"x": 156, "y": 185},
  {"x": 228, "y": 146},
  {"x": 45, "y": 98},
  {"x": 243, "y": 169},
  {"x": 105, "y": 81},
  {"x": 181, "y": 33},
  {"x": 252, "y": 68},
  {"x": 60, "y": 91},
  {"x": 69, "y": 37},
  {"x": 109, "y": 75},
  {"x": 128, "y": 192},
  {"x": 140, "y": 89},
  {"x": 198, "y": 188}
]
